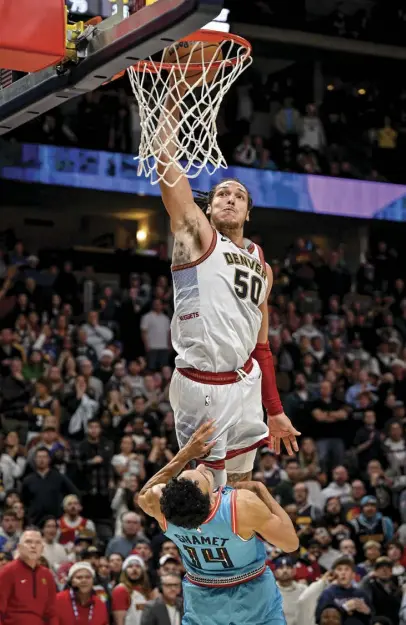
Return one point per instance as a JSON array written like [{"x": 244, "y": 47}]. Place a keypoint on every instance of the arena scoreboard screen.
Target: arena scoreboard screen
[
  {"x": 107, "y": 8},
  {"x": 104, "y": 8}
]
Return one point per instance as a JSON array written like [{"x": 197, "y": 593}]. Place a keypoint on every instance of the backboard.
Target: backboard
[{"x": 117, "y": 43}]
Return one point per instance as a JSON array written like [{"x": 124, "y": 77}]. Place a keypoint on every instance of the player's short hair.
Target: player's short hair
[
  {"x": 205, "y": 199},
  {"x": 184, "y": 504}
]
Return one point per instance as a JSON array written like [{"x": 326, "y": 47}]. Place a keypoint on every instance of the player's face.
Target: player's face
[
  {"x": 229, "y": 207},
  {"x": 203, "y": 476}
]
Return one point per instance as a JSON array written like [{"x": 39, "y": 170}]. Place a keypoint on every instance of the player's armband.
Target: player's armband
[{"x": 270, "y": 394}]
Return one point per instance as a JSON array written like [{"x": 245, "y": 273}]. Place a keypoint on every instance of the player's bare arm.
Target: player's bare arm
[
  {"x": 198, "y": 446},
  {"x": 192, "y": 231},
  {"x": 259, "y": 513},
  {"x": 264, "y": 329},
  {"x": 280, "y": 426}
]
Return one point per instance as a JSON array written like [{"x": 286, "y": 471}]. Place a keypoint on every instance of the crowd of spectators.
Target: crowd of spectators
[
  {"x": 357, "y": 129},
  {"x": 86, "y": 420},
  {"x": 268, "y": 121},
  {"x": 85, "y": 372}
]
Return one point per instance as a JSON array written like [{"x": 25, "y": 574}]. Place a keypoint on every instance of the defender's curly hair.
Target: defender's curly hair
[
  {"x": 203, "y": 200},
  {"x": 184, "y": 504}
]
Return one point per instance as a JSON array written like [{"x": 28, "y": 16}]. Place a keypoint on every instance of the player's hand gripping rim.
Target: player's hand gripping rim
[{"x": 198, "y": 445}]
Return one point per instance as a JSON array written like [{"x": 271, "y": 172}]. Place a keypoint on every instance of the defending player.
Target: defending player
[
  {"x": 227, "y": 580},
  {"x": 220, "y": 323}
]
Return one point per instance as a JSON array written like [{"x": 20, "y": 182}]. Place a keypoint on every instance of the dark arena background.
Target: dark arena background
[{"x": 316, "y": 130}]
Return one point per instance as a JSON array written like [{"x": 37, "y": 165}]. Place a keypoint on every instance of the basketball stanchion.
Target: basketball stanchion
[{"x": 197, "y": 72}]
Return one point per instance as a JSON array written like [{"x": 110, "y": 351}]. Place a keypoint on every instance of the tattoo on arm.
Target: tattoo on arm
[
  {"x": 187, "y": 242},
  {"x": 233, "y": 478},
  {"x": 181, "y": 253}
]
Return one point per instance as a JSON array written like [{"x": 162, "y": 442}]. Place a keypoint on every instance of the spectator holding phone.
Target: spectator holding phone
[{"x": 309, "y": 598}]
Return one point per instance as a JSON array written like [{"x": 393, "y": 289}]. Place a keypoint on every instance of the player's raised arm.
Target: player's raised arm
[
  {"x": 280, "y": 426},
  {"x": 199, "y": 445},
  {"x": 186, "y": 216},
  {"x": 259, "y": 513}
]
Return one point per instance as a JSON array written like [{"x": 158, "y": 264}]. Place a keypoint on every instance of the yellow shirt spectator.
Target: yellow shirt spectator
[{"x": 387, "y": 136}]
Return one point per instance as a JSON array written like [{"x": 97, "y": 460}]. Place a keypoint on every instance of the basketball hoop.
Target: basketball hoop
[{"x": 194, "y": 130}]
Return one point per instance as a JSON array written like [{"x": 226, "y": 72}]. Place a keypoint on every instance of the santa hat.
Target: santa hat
[
  {"x": 80, "y": 566},
  {"x": 134, "y": 559}
]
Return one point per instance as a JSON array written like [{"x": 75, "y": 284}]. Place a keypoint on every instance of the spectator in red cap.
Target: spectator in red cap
[
  {"x": 79, "y": 604},
  {"x": 28, "y": 590}
]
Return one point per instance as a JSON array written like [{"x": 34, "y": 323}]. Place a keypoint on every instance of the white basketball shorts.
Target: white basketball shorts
[{"x": 236, "y": 409}]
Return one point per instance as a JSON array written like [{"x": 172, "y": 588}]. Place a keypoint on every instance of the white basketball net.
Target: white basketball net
[{"x": 195, "y": 134}]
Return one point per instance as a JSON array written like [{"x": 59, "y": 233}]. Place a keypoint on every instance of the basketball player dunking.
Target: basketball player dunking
[
  {"x": 220, "y": 323},
  {"x": 219, "y": 536}
]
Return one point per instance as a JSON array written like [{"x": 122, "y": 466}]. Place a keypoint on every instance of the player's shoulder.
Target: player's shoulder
[
  {"x": 246, "y": 501},
  {"x": 256, "y": 249},
  {"x": 259, "y": 253},
  {"x": 247, "y": 509}
]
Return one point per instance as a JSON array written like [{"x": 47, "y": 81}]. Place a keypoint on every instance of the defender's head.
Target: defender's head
[
  {"x": 229, "y": 205},
  {"x": 186, "y": 500}
]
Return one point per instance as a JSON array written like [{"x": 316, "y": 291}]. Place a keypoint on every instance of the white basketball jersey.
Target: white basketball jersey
[{"x": 217, "y": 318}]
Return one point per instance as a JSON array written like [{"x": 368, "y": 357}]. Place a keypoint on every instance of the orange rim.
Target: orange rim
[{"x": 205, "y": 36}]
